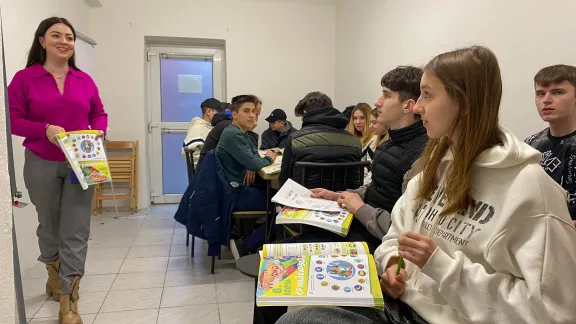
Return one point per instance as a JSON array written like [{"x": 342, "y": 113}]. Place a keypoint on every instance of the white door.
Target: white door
[{"x": 179, "y": 79}]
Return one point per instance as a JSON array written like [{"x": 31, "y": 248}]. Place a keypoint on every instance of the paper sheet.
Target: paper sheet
[{"x": 294, "y": 195}]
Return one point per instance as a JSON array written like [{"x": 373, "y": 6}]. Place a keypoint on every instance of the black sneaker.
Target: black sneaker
[{"x": 237, "y": 248}]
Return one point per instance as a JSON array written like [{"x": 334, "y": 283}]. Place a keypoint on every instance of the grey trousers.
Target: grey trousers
[
  {"x": 63, "y": 215},
  {"x": 341, "y": 315}
]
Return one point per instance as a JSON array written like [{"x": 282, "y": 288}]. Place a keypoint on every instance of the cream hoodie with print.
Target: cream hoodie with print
[
  {"x": 511, "y": 260},
  {"x": 198, "y": 130}
]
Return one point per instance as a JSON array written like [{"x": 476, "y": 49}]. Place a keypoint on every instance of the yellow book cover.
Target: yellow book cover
[
  {"x": 338, "y": 280},
  {"x": 336, "y": 222}
]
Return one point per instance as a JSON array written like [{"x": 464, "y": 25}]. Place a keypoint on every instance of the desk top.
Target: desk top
[{"x": 248, "y": 265}]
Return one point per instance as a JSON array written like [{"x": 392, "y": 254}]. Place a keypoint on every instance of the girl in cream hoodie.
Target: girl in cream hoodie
[{"x": 483, "y": 231}]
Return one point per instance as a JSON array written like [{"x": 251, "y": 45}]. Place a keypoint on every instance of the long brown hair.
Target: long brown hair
[
  {"x": 366, "y": 134},
  {"x": 37, "y": 54},
  {"x": 471, "y": 77}
]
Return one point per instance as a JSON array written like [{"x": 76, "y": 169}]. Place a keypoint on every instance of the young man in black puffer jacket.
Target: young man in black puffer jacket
[{"x": 322, "y": 138}]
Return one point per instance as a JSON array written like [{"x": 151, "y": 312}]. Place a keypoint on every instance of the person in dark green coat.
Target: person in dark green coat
[{"x": 241, "y": 161}]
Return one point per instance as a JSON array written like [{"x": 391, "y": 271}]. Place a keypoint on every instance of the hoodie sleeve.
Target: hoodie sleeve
[
  {"x": 389, "y": 247},
  {"x": 535, "y": 263},
  {"x": 241, "y": 150},
  {"x": 377, "y": 220}
]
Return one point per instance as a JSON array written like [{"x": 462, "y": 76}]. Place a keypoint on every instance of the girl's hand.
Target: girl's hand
[
  {"x": 416, "y": 248},
  {"x": 392, "y": 284},
  {"x": 100, "y": 135}
]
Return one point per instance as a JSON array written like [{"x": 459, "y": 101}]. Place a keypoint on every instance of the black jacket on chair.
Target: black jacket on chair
[
  {"x": 219, "y": 122},
  {"x": 323, "y": 138},
  {"x": 392, "y": 160}
]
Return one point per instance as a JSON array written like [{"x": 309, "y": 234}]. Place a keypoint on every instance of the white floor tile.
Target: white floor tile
[
  {"x": 188, "y": 278},
  {"x": 37, "y": 271},
  {"x": 139, "y": 280},
  {"x": 103, "y": 253},
  {"x": 186, "y": 262},
  {"x": 203, "y": 314},
  {"x": 148, "y": 251},
  {"x": 156, "y": 231},
  {"x": 110, "y": 266},
  {"x": 236, "y": 313},
  {"x": 149, "y": 240},
  {"x": 120, "y": 241},
  {"x": 148, "y": 316},
  {"x": 226, "y": 271},
  {"x": 181, "y": 250},
  {"x": 144, "y": 265},
  {"x": 126, "y": 300},
  {"x": 89, "y": 303},
  {"x": 34, "y": 287},
  {"x": 96, "y": 283},
  {"x": 229, "y": 292},
  {"x": 189, "y": 296},
  {"x": 33, "y": 304}
]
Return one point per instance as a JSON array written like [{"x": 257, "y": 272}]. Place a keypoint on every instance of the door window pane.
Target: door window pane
[
  {"x": 185, "y": 83},
  {"x": 174, "y": 173}
]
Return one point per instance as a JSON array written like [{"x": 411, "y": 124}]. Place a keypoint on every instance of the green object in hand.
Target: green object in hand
[{"x": 400, "y": 265}]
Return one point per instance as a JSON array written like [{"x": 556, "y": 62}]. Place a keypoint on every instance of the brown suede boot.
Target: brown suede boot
[
  {"x": 69, "y": 305},
  {"x": 53, "y": 285}
]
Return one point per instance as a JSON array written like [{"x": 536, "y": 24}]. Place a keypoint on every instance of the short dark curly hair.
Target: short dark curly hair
[
  {"x": 312, "y": 101},
  {"x": 238, "y": 101},
  {"x": 405, "y": 80}
]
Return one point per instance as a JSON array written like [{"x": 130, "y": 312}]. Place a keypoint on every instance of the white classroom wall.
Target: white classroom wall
[
  {"x": 374, "y": 36},
  {"x": 20, "y": 19},
  {"x": 276, "y": 49}
]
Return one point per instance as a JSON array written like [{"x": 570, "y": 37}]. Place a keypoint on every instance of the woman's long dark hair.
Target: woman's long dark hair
[{"x": 37, "y": 54}]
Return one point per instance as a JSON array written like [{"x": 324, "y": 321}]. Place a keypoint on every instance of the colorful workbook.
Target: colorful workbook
[
  {"x": 335, "y": 222},
  {"x": 335, "y": 274},
  {"x": 86, "y": 156}
]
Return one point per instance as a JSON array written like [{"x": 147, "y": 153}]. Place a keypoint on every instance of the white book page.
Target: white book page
[{"x": 294, "y": 195}]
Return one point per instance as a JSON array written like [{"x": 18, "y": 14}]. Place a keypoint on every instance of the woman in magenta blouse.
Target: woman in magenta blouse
[{"x": 51, "y": 95}]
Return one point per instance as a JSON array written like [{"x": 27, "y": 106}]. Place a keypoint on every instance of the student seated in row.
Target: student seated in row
[
  {"x": 484, "y": 232},
  {"x": 372, "y": 204},
  {"x": 322, "y": 138},
  {"x": 238, "y": 156},
  {"x": 359, "y": 125},
  {"x": 279, "y": 131},
  {"x": 556, "y": 103},
  {"x": 199, "y": 128},
  {"x": 220, "y": 121}
]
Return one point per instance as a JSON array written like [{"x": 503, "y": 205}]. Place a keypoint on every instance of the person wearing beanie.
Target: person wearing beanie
[{"x": 198, "y": 128}]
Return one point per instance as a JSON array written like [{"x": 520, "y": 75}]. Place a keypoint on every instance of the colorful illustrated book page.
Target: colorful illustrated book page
[
  {"x": 86, "y": 156},
  {"x": 335, "y": 280},
  {"x": 335, "y": 222}
]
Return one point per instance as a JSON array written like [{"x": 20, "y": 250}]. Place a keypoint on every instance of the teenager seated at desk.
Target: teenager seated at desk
[
  {"x": 238, "y": 155},
  {"x": 279, "y": 132}
]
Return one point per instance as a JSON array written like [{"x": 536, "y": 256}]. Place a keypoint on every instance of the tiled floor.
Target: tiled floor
[{"x": 139, "y": 271}]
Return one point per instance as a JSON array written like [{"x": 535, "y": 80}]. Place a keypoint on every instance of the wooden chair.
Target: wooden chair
[{"x": 123, "y": 163}]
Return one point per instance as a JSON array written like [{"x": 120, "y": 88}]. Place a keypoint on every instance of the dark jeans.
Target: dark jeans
[
  {"x": 253, "y": 198},
  {"x": 311, "y": 234}
]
